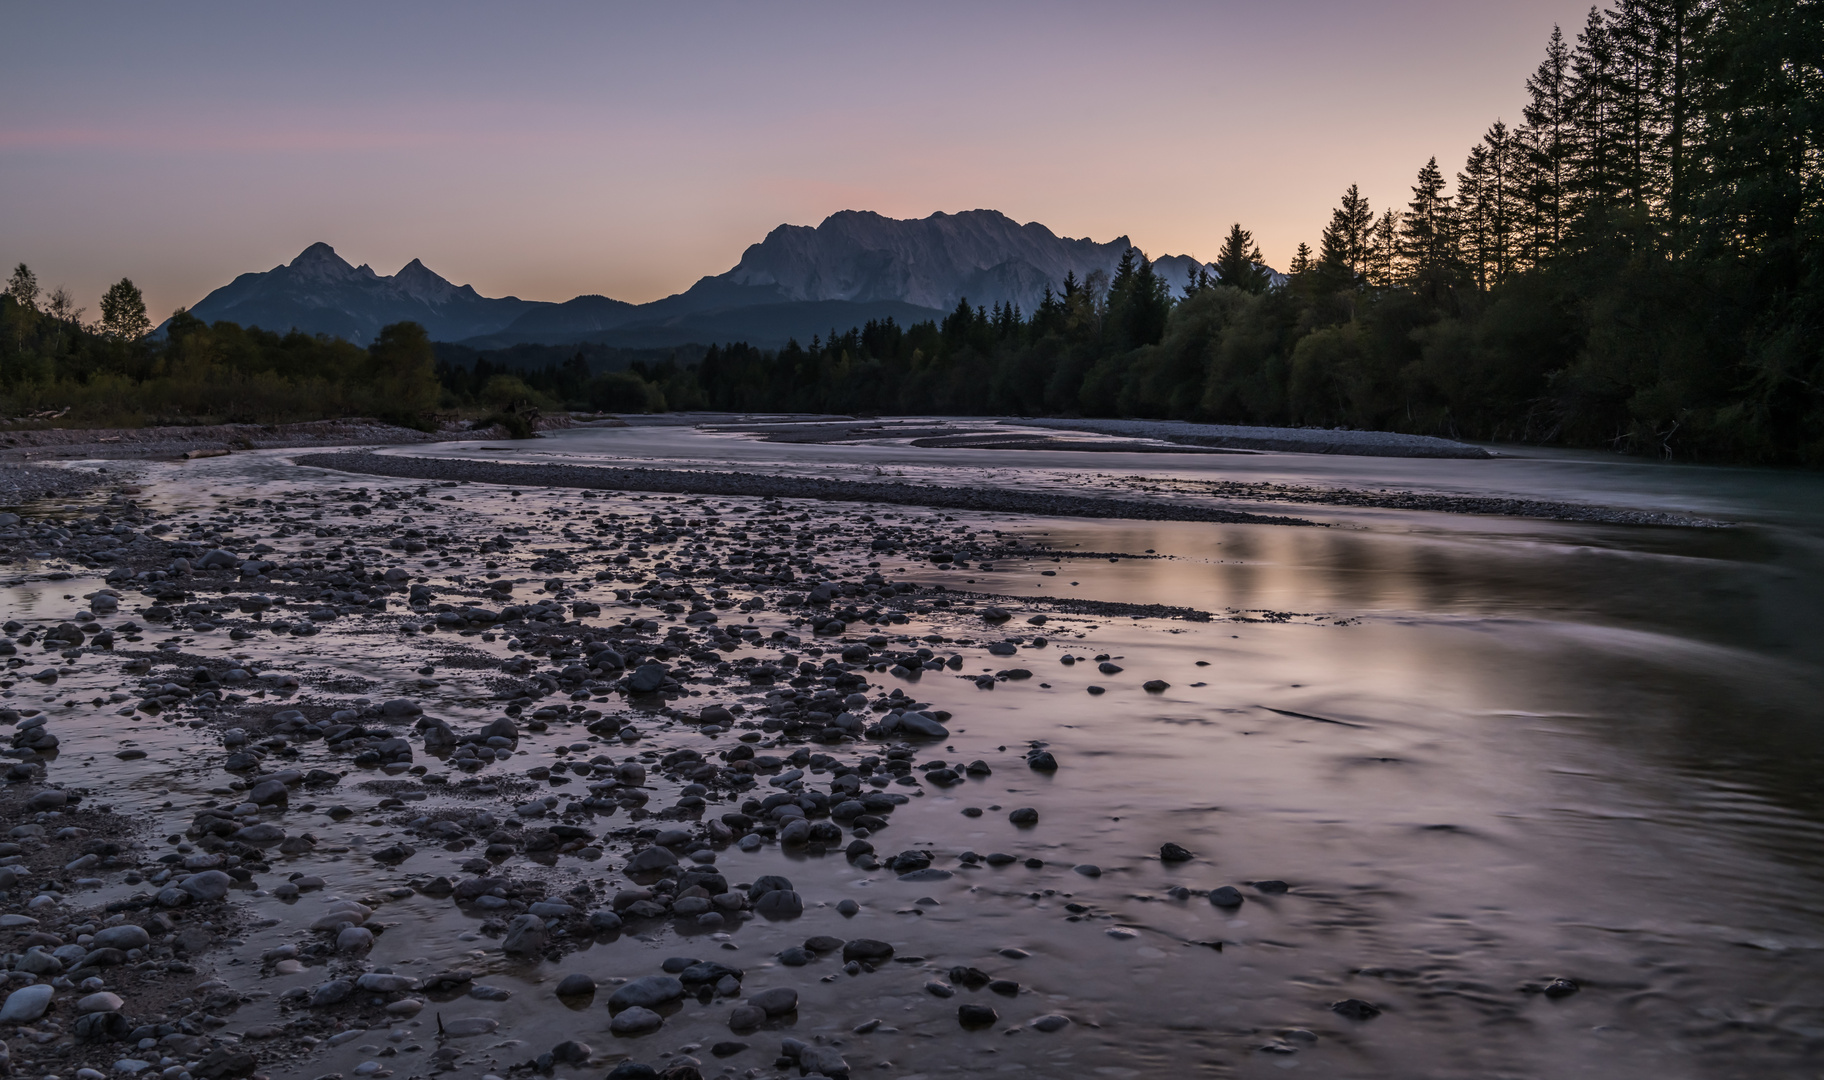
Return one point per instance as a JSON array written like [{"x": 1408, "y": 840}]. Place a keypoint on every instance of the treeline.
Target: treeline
[
  {"x": 1638, "y": 264},
  {"x": 54, "y": 365},
  {"x": 592, "y": 376}
]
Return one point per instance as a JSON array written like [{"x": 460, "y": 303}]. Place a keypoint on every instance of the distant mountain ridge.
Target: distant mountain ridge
[{"x": 799, "y": 281}]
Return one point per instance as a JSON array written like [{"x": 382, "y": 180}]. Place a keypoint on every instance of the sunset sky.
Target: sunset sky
[{"x": 545, "y": 150}]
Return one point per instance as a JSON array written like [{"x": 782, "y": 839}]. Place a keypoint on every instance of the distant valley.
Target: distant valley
[{"x": 798, "y": 282}]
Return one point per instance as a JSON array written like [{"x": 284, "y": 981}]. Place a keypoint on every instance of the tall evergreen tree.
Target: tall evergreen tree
[
  {"x": 1427, "y": 240},
  {"x": 1238, "y": 264},
  {"x": 1550, "y": 136}
]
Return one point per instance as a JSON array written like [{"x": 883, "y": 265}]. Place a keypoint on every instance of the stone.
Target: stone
[
  {"x": 648, "y": 678},
  {"x": 125, "y": 936},
  {"x": 208, "y": 885},
  {"x": 651, "y": 859},
  {"x": 101, "y": 1001},
  {"x": 869, "y": 950},
  {"x": 26, "y": 1004},
  {"x": 646, "y": 991},
  {"x": 525, "y": 936},
  {"x": 1355, "y": 1009},
  {"x": 635, "y": 1020},
  {"x": 571, "y": 1052},
  {"x": 777, "y": 1001},
  {"x": 225, "y": 1062},
  {"x": 779, "y": 904},
  {"x": 575, "y": 985},
  {"x": 923, "y": 726}
]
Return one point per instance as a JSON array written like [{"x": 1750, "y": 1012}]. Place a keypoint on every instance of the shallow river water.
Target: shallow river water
[{"x": 1483, "y": 754}]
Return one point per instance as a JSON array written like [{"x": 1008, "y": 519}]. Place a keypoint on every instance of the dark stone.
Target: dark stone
[{"x": 1355, "y": 1009}]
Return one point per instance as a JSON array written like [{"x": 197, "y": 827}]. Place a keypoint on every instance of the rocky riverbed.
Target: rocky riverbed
[{"x": 316, "y": 771}]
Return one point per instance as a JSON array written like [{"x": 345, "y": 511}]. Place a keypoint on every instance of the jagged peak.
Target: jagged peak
[{"x": 318, "y": 252}]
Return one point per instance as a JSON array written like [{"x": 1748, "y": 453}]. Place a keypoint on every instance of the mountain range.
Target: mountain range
[{"x": 798, "y": 282}]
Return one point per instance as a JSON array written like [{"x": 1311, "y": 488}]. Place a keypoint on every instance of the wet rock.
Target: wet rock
[
  {"x": 571, "y": 1052},
  {"x": 976, "y": 1016},
  {"x": 648, "y": 678},
  {"x": 208, "y": 885},
  {"x": 777, "y": 1001},
  {"x": 646, "y": 991},
  {"x": 650, "y": 859},
  {"x": 635, "y": 1020},
  {"x": 467, "y": 1026},
  {"x": 779, "y": 904},
  {"x": 923, "y": 726},
  {"x": 525, "y": 936},
  {"x": 575, "y": 984},
  {"x": 1355, "y": 1009},
  {"x": 868, "y": 950}
]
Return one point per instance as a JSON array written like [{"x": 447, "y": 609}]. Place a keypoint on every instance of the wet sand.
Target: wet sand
[{"x": 1458, "y": 797}]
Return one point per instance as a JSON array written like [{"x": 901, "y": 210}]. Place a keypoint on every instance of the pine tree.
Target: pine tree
[
  {"x": 1598, "y": 180},
  {"x": 1383, "y": 244},
  {"x": 1549, "y": 136},
  {"x": 1344, "y": 246},
  {"x": 1427, "y": 240},
  {"x": 1238, "y": 264},
  {"x": 1475, "y": 231}
]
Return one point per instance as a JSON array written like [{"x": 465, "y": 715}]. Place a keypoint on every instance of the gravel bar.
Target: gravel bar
[
  {"x": 680, "y": 482},
  {"x": 1287, "y": 440}
]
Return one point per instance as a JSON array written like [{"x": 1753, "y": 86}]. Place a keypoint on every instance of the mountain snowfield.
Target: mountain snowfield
[{"x": 799, "y": 281}]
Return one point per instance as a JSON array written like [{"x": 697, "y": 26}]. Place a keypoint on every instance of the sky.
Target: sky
[{"x": 546, "y": 150}]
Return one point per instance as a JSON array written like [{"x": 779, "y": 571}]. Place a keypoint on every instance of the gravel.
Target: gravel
[
  {"x": 1286, "y": 440},
  {"x": 681, "y": 482}
]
